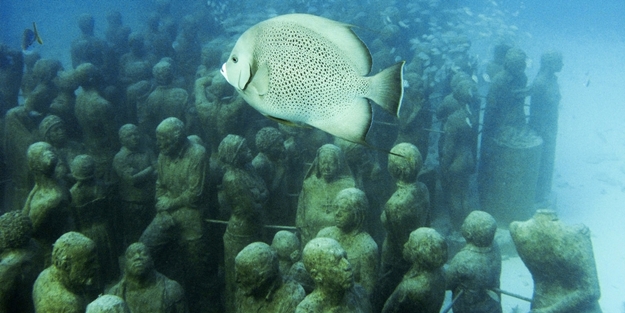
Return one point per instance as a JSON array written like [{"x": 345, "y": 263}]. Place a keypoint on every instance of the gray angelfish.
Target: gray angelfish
[{"x": 305, "y": 69}]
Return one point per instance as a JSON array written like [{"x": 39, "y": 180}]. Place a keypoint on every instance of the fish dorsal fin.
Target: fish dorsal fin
[
  {"x": 340, "y": 34},
  {"x": 351, "y": 124},
  {"x": 260, "y": 81}
]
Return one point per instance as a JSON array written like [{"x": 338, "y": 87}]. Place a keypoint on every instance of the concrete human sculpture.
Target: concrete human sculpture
[
  {"x": 62, "y": 286},
  {"x": 406, "y": 210},
  {"x": 423, "y": 287},
  {"x": 48, "y": 202},
  {"x": 176, "y": 235},
  {"x": 561, "y": 261},
  {"x": 144, "y": 289},
  {"x": 135, "y": 166},
  {"x": 335, "y": 289},
  {"x": 362, "y": 251},
  {"x": 473, "y": 273},
  {"x": 328, "y": 175},
  {"x": 21, "y": 260},
  {"x": 261, "y": 286}
]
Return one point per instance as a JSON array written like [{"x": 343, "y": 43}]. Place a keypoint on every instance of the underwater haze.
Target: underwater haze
[{"x": 589, "y": 173}]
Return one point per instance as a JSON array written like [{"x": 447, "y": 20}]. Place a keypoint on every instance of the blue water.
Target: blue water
[{"x": 591, "y": 35}]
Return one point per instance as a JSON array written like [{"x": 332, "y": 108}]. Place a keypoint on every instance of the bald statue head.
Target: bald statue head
[{"x": 327, "y": 263}]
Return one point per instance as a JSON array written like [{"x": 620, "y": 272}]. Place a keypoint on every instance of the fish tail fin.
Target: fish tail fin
[{"x": 387, "y": 88}]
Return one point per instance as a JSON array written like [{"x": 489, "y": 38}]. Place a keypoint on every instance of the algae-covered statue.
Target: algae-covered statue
[
  {"x": 165, "y": 101},
  {"x": 406, "y": 210},
  {"x": 475, "y": 270},
  {"x": 21, "y": 260},
  {"x": 561, "y": 261},
  {"x": 289, "y": 252},
  {"x": 93, "y": 214},
  {"x": 135, "y": 166},
  {"x": 144, "y": 289},
  {"x": 272, "y": 165},
  {"x": 543, "y": 117},
  {"x": 335, "y": 290},
  {"x": 48, "y": 202},
  {"x": 62, "y": 286},
  {"x": 362, "y": 251},
  {"x": 423, "y": 287},
  {"x": 177, "y": 232},
  {"x": 53, "y": 130},
  {"x": 457, "y": 146},
  {"x": 261, "y": 286},
  {"x": 244, "y": 192},
  {"x": 328, "y": 175},
  {"x": 97, "y": 119}
]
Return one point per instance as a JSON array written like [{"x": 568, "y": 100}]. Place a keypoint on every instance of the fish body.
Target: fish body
[
  {"x": 304, "y": 69},
  {"x": 30, "y": 36}
]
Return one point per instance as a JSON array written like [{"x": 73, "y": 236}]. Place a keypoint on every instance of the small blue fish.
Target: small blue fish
[{"x": 29, "y": 37}]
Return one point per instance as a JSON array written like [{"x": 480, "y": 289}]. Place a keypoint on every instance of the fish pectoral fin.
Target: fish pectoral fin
[
  {"x": 352, "y": 123},
  {"x": 286, "y": 122},
  {"x": 260, "y": 81}
]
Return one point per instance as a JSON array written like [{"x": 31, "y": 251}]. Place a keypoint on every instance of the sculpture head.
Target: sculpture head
[
  {"x": 163, "y": 72},
  {"x": 426, "y": 248},
  {"x": 41, "y": 158},
  {"x": 52, "y": 129},
  {"x": 256, "y": 269},
  {"x": 170, "y": 136},
  {"x": 326, "y": 262},
  {"x": 233, "y": 150},
  {"x": 75, "y": 258},
  {"x": 139, "y": 262},
  {"x": 351, "y": 209},
  {"x": 405, "y": 168},
  {"x": 129, "y": 136},
  {"x": 551, "y": 61},
  {"x": 83, "y": 167},
  {"x": 15, "y": 230},
  {"x": 479, "y": 228},
  {"x": 270, "y": 141},
  {"x": 330, "y": 160},
  {"x": 86, "y": 23}
]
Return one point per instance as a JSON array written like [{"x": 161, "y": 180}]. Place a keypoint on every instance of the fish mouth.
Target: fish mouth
[{"x": 224, "y": 72}]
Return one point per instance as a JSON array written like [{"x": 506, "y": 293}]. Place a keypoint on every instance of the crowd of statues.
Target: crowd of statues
[{"x": 136, "y": 181}]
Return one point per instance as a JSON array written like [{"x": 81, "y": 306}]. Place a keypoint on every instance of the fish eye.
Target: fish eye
[{"x": 235, "y": 59}]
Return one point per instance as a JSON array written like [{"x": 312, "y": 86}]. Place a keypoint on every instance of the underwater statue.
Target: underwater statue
[
  {"x": 48, "y": 202},
  {"x": 423, "y": 287},
  {"x": 543, "y": 117},
  {"x": 561, "y": 261},
  {"x": 328, "y": 175},
  {"x": 473, "y": 273},
  {"x": 135, "y": 166},
  {"x": 406, "y": 210},
  {"x": 335, "y": 290},
  {"x": 176, "y": 235},
  {"x": 261, "y": 286},
  {"x": 62, "y": 286},
  {"x": 362, "y": 252},
  {"x": 144, "y": 289},
  {"x": 21, "y": 261},
  {"x": 245, "y": 194}
]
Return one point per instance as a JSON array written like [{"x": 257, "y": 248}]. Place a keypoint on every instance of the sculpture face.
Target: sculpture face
[
  {"x": 83, "y": 268},
  {"x": 328, "y": 165},
  {"x": 167, "y": 143},
  {"x": 345, "y": 217},
  {"x": 56, "y": 134},
  {"x": 138, "y": 261},
  {"x": 130, "y": 140},
  {"x": 337, "y": 271}
]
